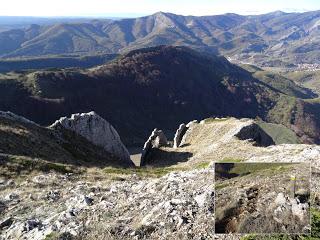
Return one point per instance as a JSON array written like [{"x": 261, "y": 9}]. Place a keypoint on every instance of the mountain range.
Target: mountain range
[
  {"x": 276, "y": 38},
  {"x": 161, "y": 86}
]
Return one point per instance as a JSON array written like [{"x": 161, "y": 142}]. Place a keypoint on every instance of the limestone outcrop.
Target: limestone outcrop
[
  {"x": 179, "y": 135},
  {"x": 96, "y": 130},
  {"x": 157, "y": 139}
]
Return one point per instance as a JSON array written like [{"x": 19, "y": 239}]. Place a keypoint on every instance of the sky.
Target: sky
[{"x": 135, "y": 8}]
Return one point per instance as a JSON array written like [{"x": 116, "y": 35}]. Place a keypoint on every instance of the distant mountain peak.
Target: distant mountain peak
[
  {"x": 165, "y": 14},
  {"x": 277, "y": 13},
  {"x": 229, "y": 34}
]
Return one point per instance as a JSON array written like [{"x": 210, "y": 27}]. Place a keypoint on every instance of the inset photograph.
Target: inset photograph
[{"x": 262, "y": 198}]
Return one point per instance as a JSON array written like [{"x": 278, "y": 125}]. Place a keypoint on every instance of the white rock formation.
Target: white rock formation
[
  {"x": 97, "y": 130},
  {"x": 157, "y": 139},
  {"x": 192, "y": 123},
  {"x": 179, "y": 135}
]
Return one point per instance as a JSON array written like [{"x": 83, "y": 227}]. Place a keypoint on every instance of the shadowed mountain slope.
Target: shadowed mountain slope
[{"x": 161, "y": 86}]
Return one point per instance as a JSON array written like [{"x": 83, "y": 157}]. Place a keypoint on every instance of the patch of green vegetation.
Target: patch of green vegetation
[
  {"x": 250, "y": 68},
  {"x": 249, "y": 237},
  {"x": 309, "y": 79},
  {"x": 313, "y": 100},
  {"x": 315, "y": 223},
  {"x": 277, "y": 237},
  {"x": 230, "y": 160},
  {"x": 58, "y": 236},
  {"x": 279, "y": 133},
  {"x": 202, "y": 165},
  {"x": 283, "y": 111},
  {"x": 243, "y": 169},
  {"x": 220, "y": 186},
  {"x": 17, "y": 164},
  {"x": 143, "y": 171},
  {"x": 283, "y": 84},
  {"x": 52, "y": 236}
]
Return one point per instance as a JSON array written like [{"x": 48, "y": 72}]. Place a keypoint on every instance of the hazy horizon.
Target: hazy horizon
[
  {"x": 129, "y": 15},
  {"x": 127, "y": 8}
]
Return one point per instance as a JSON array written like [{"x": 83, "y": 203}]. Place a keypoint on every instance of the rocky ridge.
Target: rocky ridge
[
  {"x": 220, "y": 139},
  {"x": 85, "y": 139},
  {"x": 97, "y": 130}
]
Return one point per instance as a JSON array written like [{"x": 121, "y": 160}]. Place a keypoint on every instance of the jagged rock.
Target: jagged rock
[
  {"x": 192, "y": 123},
  {"x": 255, "y": 133},
  {"x": 12, "y": 196},
  {"x": 6, "y": 223},
  {"x": 157, "y": 139},
  {"x": 31, "y": 224},
  {"x": 299, "y": 209},
  {"x": 280, "y": 199},
  {"x": 88, "y": 200},
  {"x": 97, "y": 130},
  {"x": 179, "y": 135},
  {"x": 53, "y": 195}
]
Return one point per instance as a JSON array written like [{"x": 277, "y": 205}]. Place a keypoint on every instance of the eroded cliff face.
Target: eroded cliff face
[{"x": 96, "y": 130}]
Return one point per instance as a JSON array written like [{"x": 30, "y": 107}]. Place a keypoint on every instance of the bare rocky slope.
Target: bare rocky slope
[{"x": 175, "y": 197}]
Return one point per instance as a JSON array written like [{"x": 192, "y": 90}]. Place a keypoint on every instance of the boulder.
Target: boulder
[
  {"x": 157, "y": 139},
  {"x": 280, "y": 199},
  {"x": 179, "y": 135},
  {"x": 96, "y": 130}
]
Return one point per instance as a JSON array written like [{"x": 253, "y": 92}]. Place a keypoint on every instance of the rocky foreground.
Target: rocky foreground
[
  {"x": 179, "y": 204},
  {"x": 174, "y": 196}
]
